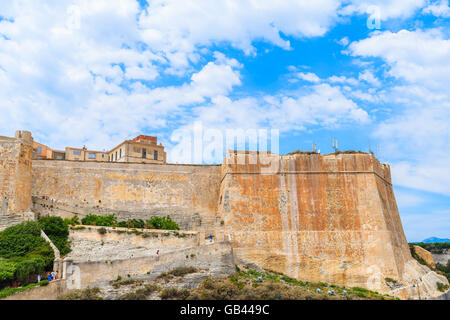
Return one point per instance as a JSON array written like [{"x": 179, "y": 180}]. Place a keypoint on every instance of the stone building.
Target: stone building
[
  {"x": 41, "y": 151},
  {"x": 83, "y": 154},
  {"x": 142, "y": 149}
]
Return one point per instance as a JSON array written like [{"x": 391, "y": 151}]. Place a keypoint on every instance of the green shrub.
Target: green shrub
[
  {"x": 165, "y": 223},
  {"x": 44, "y": 283},
  {"x": 26, "y": 267},
  {"x": 104, "y": 221},
  {"x": 58, "y": 231},
  {"x": 441, "y": 286},
  {"x": 7, "y": 270},
  {"x": 20, "y": 239},
  {"x": 72, "y": 221}
]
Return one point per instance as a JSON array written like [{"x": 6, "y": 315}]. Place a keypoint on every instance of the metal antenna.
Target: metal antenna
[
  {"x": 368, "y": 143},
  {"x": 335, "y": 145}
]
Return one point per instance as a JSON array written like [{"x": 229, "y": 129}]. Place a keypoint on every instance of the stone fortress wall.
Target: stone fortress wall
[
  {"x": 324, "y": 218},
  {"x": 188, "y": 193},
  {"x": 330, "y": 218},
  {"x": 15, "y": 178}
]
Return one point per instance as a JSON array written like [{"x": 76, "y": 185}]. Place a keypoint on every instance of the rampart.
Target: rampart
[
  {"x": 216, "y": 257},
  {"x": 324, "y": 218},
  {"x": 15, "y": 178},
  {"x": 330, "y": 218},
  {"x": 90, "y": 243},
  {"x": 188, "y": 193}
]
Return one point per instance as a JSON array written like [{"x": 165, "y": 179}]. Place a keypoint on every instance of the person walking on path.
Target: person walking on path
[
  {"x": 39, "y": 278},
  {"x": 210, "y": 238}
]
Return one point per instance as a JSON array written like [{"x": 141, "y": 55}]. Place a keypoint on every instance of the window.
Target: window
[
  {"x": 144, "y": 153},
  {"x": 116, "y": 155},
  {"x": 59, "y": 157},
  {"x": 155, "y": 154},
  {"x": 77, "y": 152},
  {"x": 103, "y": 156},
  {"x": 120, "y": 153},
  {"x": 92, "y": 156},
  {"x": 39, "y": 150}
]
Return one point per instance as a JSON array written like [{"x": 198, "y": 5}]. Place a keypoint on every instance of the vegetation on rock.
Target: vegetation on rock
[
  {"x": 165, "y": 223},
  {"x": 23, "y": 254}
]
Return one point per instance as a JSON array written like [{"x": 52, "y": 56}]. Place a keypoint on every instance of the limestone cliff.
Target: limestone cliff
[{"x": 330, "y": 218}]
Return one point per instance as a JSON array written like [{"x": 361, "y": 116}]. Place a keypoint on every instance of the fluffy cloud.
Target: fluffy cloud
[
  {"x": 438, "y": 8},
  {"x": 416, "y": 137},
  {"x": 387, "y": 9}
]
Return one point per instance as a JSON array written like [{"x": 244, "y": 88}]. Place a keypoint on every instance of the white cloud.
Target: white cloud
[
  {"x": 308, "y": 76},
  {"x": 368, "y": 77},
  {"x": 416, "y": 137},
  {"x": 438, "y": 8},
  {"x": 415, "y": 56},
  {"x": 387, "y": 9}
]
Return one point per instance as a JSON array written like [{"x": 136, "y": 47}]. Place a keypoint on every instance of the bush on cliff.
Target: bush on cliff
[
  {"x": 58, "y": 231},
  {"x": 23, "y": 253},
  {"x": 18, "y": 240},
  {"x": 165, "y": 223},
  {"x": 104, "y": 221}
]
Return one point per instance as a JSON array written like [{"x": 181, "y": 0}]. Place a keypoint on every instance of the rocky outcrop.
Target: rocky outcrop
[{"x": 424, "y": 255}]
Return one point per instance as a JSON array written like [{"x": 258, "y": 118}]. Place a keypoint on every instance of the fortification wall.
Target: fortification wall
[
  {"x": 216, "y": 257},
  {"x": 15, "y": 178},
  {"x": 188, "y": 193},
  {"x": 329, "y": 218},
  {"x": 88, "y": 244},
  {"x": 53, "y": 291}
]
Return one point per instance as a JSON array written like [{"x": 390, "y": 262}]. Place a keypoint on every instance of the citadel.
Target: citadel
[{"x": 329, "y": 218}]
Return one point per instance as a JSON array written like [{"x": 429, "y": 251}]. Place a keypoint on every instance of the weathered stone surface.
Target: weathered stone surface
[
  {"x": 425, "y": 255},
  {"x": 188, "y": 193},
  {"x": 215, "y": 257},
  {"x": 330, "y": 218},
  {"x": 15, "y": 178},
  {"x": 119, "y": 243}
]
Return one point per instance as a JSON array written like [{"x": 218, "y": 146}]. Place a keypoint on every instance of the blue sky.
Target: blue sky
[{"x": 96, "y": 72}]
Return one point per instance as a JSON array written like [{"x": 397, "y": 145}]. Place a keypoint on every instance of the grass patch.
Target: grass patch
[
  {"x": 141, "y": 294},
  {"x": 10, "y": 291},
  {"x": 177, "y": 272},
  {"x": 85, "y": 294}
]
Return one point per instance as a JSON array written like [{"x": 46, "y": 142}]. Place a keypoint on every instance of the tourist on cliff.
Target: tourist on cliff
[{"x": 49, "y": 277}]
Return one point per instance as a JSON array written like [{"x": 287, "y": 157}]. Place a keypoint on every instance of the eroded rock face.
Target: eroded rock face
[
  {"x": 425, "y": 255},
  {"x": 330, "y": 218}
]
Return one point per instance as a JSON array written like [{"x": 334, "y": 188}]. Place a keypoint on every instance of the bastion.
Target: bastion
[{"x": 329, "y": 218}]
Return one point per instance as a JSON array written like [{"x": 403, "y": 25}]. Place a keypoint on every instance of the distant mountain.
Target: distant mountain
[{"x": 435, "y": 240}]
